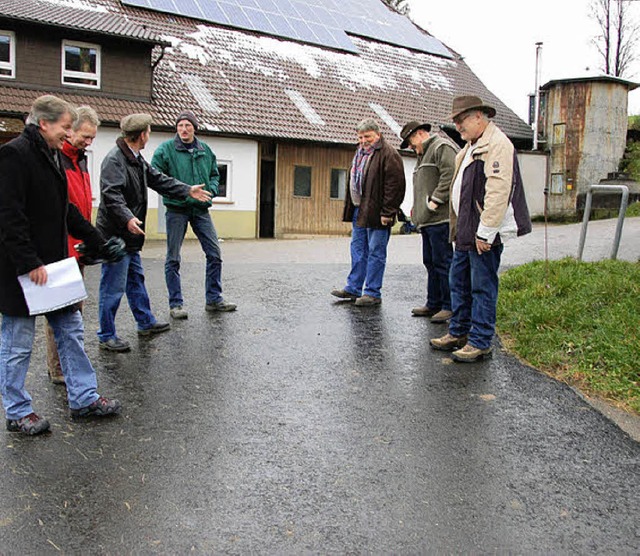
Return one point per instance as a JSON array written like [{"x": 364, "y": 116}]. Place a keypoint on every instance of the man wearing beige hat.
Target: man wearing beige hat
[
  {"x": 487, "y": 207},
  {"x": 125, "y": 176},
  {"x": 431, "y": 180}
]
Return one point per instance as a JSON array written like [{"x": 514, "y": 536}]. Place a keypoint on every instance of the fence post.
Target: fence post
[{"x": 587, "y": 213}]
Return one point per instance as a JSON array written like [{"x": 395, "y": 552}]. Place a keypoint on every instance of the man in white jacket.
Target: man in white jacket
[{"x": 487, "y": 205}]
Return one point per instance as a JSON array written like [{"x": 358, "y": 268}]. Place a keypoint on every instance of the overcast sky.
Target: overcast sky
[{"x": 497, "y": 39}]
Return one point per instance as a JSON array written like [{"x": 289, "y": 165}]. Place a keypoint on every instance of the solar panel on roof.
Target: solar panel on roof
[{"x": 322, "y": 22}]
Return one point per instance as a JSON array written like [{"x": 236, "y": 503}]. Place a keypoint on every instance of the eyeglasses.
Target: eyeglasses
[{"x": 462, "y": 117}]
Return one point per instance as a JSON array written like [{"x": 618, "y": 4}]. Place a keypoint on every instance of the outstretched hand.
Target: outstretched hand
[
  {"x": 198, "y": 193},
  {"x": 134, "y": 227}
]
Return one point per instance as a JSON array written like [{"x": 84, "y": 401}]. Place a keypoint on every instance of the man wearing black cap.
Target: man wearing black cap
[
  {"x": 186, "y": 158},
  {"x": 431, "y": 180},
  {"x": 488, "y": 206},
  {"x": 124, "y": 178}
]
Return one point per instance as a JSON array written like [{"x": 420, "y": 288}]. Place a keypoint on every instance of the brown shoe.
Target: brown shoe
[
  {"x": 448, "y": 342},
  {"x": 441, "y": 316},
  {"x": 470, "y": 354},
  {"x": 344, "y": 294},
  {"x": 56, "y": 376},
  {"x": 368, "y": 301},
  {"x": 423, "y": 311}
]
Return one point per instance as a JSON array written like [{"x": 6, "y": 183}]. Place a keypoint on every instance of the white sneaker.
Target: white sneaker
[{"x": 178, "y": 313}]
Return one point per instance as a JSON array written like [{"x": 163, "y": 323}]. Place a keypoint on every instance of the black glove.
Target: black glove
[{"x": 109, "y": 252}]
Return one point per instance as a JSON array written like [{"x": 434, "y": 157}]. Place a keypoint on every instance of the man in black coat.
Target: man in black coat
[
  {"x": 35, "y": 219},
  {"x": 124, "y": 178}
]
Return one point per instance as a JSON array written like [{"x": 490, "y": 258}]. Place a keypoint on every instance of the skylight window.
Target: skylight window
[{"x": 307, "y": 110}]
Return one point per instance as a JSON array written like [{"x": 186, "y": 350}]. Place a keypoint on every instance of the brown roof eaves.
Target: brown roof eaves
[
  {"x": 99, "y": 22},
  {"x": 109, "y": 109}
]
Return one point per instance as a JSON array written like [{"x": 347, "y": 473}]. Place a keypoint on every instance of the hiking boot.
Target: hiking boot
[
  {"x": 102, "y": 407},
  {"x": 448, "y": 342},
  {"x": 470, "y": 354},
  {"x": 423, "y": 311},
  {"x": 157, "y": 328},
  {"x": 56, "y": 376},
  {"x": 178, "y": 313},
  {"x": 220, "y": 306},
  {"x": 344, "y": 294},
  {"x": 29, "y": 424},
  {"x": 115, "y": 344},
  {"x": 441, "y": 316},
  {"x": 368, "y": 301}
]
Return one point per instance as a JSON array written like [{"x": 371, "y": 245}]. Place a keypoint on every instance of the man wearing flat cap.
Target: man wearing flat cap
[
  {"x": 431, "y": 180},
  {"x": 125, "y": 176},
  {"x": 190, "y": 160},
  {"x": 488, "y": 206}
]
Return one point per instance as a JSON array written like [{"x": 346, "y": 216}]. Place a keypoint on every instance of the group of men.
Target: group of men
[
  {"x": 465, "y": 205},
  {"x": 45, "y": 211}
]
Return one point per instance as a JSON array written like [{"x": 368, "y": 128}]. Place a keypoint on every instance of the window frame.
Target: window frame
[
  {"x": 346, "y": 181},
  {"x": 295, "y": 195},
  {"x": 228, "y": 198},
  {"x": 11, "y": 64},
  {"x": 65, "y": 73}
]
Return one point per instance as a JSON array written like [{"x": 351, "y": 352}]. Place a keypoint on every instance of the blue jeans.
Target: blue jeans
[
  {"x": 125, "y": 276},
  {"x": 15, "y": 354},
  {"x": 436, "y": 257},
  {"x": 368, "y": 259},
  {"x": 474, "y": 295},
  {"x": 202, "y": 226}
]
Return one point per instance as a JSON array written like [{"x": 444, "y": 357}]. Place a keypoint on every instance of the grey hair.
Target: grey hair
[
  {"x": 86, "y": 114},
  {"x": 368, "y": 124},
  {"x": 50, "y": 109}
]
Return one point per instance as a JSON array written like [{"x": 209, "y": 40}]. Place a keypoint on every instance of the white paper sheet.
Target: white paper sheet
[{"x": 64, "y": 287}]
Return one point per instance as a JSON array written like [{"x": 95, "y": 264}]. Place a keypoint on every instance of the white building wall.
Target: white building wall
[{"x": 241, "y": 155}]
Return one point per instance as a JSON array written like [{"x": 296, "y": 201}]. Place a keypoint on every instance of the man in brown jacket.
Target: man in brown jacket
[{"x": 376, "y": 190}]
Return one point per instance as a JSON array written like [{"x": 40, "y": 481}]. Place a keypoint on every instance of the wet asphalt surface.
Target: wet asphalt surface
[{"x": 302, "y": 425}]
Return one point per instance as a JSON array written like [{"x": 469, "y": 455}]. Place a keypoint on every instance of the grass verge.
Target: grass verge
[{"x": 578, "y": 322}]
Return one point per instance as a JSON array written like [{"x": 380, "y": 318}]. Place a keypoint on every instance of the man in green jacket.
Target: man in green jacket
[
  {"x": 191, "y": 161},
  {"x": 431, "y": 181}
]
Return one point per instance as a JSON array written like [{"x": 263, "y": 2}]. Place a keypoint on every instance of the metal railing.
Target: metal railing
[{"x": 587, "y": 213}]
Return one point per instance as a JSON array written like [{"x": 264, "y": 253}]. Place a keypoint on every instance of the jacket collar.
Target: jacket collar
[
  {"x": 127, "y": 152},
  {"x": 72, "y": 152},
  {"x": 33, "y": 135},
  {"x": 483, "y": 141},
  {"x": 179, "y": 145}
]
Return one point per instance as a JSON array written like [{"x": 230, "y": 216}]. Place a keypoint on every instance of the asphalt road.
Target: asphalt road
[{"x": 302, "y": 425}]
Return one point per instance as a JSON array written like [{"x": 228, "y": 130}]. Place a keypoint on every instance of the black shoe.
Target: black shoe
[
  {"x": 155, "y": 329},
  {"x": 29, "y": 424},
  {"x": 115, "y": 344},
  {"x": 221, "y": 307},
  {"x": 102, "y": 407}
]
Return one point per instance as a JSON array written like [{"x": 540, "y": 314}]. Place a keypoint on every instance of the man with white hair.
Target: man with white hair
[
  {"x": 35, "y": 215},
  {"x": 74, "y": 162}
]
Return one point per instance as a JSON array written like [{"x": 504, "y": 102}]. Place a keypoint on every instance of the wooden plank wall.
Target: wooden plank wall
[{"x": 318, "y": 214}]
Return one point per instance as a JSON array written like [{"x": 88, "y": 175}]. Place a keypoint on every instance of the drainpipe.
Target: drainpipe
[{"x": 537, "y": 97}]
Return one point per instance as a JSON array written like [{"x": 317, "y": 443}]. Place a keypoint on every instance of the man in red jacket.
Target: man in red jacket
[{"x": 74, "y": 162}]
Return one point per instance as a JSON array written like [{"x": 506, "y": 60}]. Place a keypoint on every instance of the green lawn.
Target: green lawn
[{"x": 579, "y": 322}]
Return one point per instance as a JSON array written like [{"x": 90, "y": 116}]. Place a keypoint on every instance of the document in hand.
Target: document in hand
[{"x": 64, "y": 287}]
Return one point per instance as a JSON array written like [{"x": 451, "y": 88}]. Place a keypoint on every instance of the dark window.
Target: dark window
[
  {"x": 222, "y": 185},
  {"x": 7, "y": 50},
  {"x": 302, "y": 181},
  {"x": 338, "y": 183}
]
